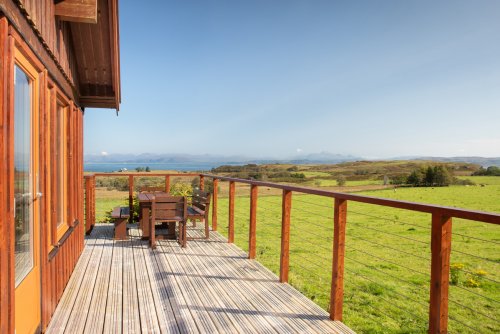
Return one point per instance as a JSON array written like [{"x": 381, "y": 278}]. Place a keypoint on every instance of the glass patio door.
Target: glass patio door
[{"x": 27, "y": 266}]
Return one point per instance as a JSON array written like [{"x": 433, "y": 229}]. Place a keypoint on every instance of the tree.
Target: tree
[
  {"x": 442, "y": 176},
  {"x": 429, "y": 177},
  {"x": 415, "y": 178},
  {"x": 147, "y": 169}
]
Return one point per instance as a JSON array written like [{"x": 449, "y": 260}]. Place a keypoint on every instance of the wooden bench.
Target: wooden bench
[
  {"x": 199, "y": 208},
  {"x": 120, "y": 216}
]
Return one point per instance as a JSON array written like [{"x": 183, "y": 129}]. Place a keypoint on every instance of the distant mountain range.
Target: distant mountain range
[
  {"x": 322, "y": 157},
  {"x": 485, "y": 162}
]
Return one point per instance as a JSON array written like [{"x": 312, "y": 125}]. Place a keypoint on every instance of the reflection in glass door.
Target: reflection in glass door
[{"x": 23, "y": 180}]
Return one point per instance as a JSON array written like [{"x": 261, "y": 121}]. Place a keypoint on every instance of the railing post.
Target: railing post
[
  {"x": 131, "y": 198},
  {"x": 167, "y": 183},
  {"x": 88, "y": 204},
  {"x": 440, "y": 271},
  {"x": 202, "y": 182},
  {"x": 252, "y": 238},
  {"x": 92, "y": 200},
  {"x": 337, "y": 289},
  {"x": 285, "y": 235},
  {"x": 230, "y": 226},
  {"x": 214, "y": 204}
]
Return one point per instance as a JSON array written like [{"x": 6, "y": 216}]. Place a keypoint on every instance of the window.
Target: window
[
  {"x": 23, "y": 182},
  {"x": 60, "y": 164}
]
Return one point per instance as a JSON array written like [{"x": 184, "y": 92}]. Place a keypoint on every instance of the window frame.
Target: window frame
[{"x": 59, "y": 111}]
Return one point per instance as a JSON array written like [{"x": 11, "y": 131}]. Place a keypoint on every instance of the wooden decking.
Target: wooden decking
[{"x": 208, "y": 287}]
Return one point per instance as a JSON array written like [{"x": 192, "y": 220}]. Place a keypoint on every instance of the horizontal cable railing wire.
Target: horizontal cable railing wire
[
  {"x": 389, "y": 302},
  {"x": 388, "y": 261},
  {"x": 388, "y": 247},
  {"x": 388, "y": 219},
  {"x": 311, "y": 244}
]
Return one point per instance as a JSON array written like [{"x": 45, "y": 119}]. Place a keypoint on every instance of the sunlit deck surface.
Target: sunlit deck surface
[{"x": 208, "y": 287}]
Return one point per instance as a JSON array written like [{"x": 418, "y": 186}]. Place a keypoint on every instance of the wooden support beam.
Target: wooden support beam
[
  {"x": 285, "y": 235},
  {"x": 167, "y": 183},
  {"x": 84, "y": 11},
  {"x": 7, "y": 232},
  {"x": 337, "y": 290},
  {"x": 131, "y": 198},
  {"x": 202, "y": 182},
  {"x": 440, "y": 271},
  {"x": 230, "y": 232},
  {"x": 252, "y": 235},
  {"x": 88, "y": 205},
  {"x": 214, "y": 204}
]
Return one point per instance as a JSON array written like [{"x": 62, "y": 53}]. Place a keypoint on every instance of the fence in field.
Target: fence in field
[{"x": 375, "y": 264}]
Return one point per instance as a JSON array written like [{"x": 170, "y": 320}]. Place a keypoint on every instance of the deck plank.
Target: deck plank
[
  {"x": 65, "y": 306},
  {"x": 208, "y": 287},
  {"x": 97, "y": 311},
  {"x": 114, "y": 303},
  {"x": 131, "y": 318},
  {"x": 78, "y": 318}
]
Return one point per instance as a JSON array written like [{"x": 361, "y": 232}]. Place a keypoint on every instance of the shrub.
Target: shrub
[
  {"x": 181, "y": 189},
  {"x": 455, "y": 273},
  {"x": 341, "y": 180}
]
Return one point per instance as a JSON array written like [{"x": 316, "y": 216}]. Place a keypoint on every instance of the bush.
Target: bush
[
  {"x": 460, "y": 182},
  {"x": 341, "y": 180},
  {"x": 181, "y": 189},
  {"x": 490, "y": 171},
  {"x": 455, "y": 273}
]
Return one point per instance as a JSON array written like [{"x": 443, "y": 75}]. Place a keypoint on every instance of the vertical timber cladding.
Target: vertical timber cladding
[
  {"x": 63, "y": 250},
  {"x": 57, "y": 257},
  {"x": 6, "y": 191}
]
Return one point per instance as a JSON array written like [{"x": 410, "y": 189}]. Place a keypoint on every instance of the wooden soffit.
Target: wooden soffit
[
  {"x": 97, "y": 54},
  {"x": 76, "y": 10}
]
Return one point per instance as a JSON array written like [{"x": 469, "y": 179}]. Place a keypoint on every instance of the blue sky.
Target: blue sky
[{"x": 282, "y": 78}]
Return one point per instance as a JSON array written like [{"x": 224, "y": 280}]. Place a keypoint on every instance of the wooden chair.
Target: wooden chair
[
  {"x": 170, "y": 210},
  {"x": 199, "y": 209}
]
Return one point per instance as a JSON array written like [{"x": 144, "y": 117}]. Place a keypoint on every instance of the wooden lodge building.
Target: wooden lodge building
[{"x": 57, "y": 58}]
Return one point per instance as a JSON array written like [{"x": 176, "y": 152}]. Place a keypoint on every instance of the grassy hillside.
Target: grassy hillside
[{"x": 369, "y": 172}]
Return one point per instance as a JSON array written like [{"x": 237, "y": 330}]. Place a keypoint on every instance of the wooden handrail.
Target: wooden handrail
[
  {"x": 486, "y": 217},
  {"x": 140, "y": 174},
  {"x": 90, "y": 190}
]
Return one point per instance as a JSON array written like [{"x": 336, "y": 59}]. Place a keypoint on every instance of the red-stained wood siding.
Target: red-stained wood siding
[
  {"x": 56, "y": 34},
  {"x": 57, "y": 257},
  {"x": 6, "y": 191}
]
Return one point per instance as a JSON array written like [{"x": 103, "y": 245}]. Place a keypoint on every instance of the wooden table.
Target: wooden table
[{"x": 145, "y": 200}]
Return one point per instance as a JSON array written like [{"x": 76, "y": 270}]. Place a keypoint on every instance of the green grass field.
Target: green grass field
[
  {"x": 387, "y": 265},
  {"x": 350, "y": 183}
]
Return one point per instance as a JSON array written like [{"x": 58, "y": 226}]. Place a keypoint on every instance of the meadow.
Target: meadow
[{"x": 387, "y": 265}]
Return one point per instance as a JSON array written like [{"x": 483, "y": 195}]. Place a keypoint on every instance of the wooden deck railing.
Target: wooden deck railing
[
  {"x": 440, "y": 236},
  {"x": 90, "y": 185}
]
